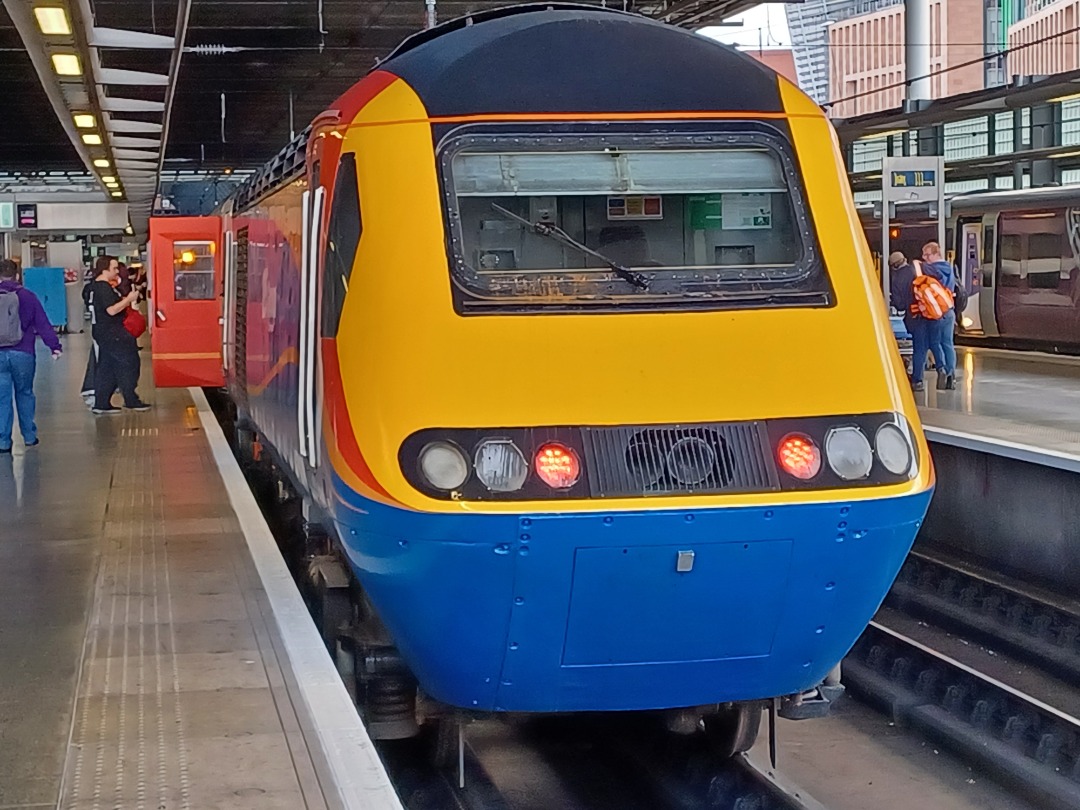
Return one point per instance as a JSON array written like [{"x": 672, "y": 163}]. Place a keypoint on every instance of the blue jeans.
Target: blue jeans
[
  {"x": 942, "y": 335},
  {"x": 17, "y": 376},
  {"x": 924, "y": 338}
]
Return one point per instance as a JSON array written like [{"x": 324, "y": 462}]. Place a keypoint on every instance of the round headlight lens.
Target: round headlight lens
[
  {"x": 848, "y": 452},
  {"x": 893, "y": 449},
  {"x": 444, "y": 465},
  {"x": 501, "y": 466}
]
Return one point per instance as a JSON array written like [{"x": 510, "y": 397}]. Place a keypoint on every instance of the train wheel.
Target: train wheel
[{"x": 733, "y": 730}]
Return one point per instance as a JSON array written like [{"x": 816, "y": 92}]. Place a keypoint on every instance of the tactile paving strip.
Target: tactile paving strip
[{"x": 181, "y": 703}]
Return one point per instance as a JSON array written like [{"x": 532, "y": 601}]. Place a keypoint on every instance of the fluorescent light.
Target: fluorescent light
[
  {"x": 107, "y": 178},
  {"x": 118, "y": 194},
  {"x": 101, "y": 163},
  {"x": 52, "y": 21},
  {"x": 66, "y": 64},
  {"x": 91, "y": 139},
  {"x": 1074, "y": 153},
  {"x": 1059, "y": 99},
  {"x": 113, "y": 184},
  {"x": 84, "y": 121}
]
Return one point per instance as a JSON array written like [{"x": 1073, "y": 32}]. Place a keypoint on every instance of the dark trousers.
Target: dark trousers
[
  {"x": 924, "y": 338},
  {"x": 90, "y": 377},
  {"x": 117, "y": 367}
]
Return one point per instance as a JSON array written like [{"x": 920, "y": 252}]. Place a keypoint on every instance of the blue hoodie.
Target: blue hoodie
[
  {"x": 945, "y": 273},
  {"x": 35, "y": 323}
]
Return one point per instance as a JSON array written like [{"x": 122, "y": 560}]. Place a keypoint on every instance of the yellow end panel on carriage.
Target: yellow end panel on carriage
[
  {"x": 826, "y": 181},
  {"x": 409, "y": 361}
]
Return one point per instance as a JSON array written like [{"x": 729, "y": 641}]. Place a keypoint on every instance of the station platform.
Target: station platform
[
  {"x": 1019, "y": 405},
  {"x": 155, "y": 652}
]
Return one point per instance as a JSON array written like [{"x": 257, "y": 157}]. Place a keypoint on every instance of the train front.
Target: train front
[{"x": 615, "y": 415}]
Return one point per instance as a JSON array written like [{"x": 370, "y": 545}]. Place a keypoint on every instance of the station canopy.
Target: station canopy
[{"x": 249, "y": 71}]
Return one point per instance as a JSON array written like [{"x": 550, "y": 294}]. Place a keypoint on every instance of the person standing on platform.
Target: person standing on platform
[
  {"x": 22, "y": 320},
  {"x": 901, "y": 288},
  {"x": 118, "y": 353},
  {"x": 943, "y": 330}
]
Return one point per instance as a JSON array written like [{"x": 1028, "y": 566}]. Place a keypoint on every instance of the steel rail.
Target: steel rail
[{"x": 1024, "y": 741}]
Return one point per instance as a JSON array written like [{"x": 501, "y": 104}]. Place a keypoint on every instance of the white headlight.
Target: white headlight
[
  {"x": 849, "y": 453},
  {"x": 893, "y": 449},
  {"x": 444, "y": 465},
  {"x": 501, "y": 466}
]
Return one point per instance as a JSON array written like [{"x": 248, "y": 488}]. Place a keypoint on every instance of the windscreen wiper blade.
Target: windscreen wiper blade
[{"x": 561, "y": 236}]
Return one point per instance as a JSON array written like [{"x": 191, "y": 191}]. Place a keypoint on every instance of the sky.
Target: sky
[{"x": 764, "y": 24}]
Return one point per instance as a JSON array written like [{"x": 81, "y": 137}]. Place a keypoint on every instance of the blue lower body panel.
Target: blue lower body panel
[{"x": 591, "y": 612}]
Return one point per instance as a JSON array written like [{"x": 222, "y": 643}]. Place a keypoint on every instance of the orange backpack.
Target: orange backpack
[{"x": 932, "y": 300}]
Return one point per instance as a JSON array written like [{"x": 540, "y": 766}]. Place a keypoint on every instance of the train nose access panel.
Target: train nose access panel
[{"x": 186, "y": 301}]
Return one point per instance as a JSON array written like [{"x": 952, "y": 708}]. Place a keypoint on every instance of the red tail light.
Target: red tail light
[
  {"x": 557, "y": 465},
  {"x": 799, "y": 456}
]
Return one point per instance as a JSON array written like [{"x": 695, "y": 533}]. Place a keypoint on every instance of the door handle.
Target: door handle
[{"x": 160, "y": 315}]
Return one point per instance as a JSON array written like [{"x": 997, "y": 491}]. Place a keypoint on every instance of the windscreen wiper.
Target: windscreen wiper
[{"x": 561, "y": 236}]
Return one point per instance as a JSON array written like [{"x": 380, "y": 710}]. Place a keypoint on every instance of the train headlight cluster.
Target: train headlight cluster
[
  {"x": 444, "y": 465},
  {"x": 893, "y": 449},
  {"x": 849, "y": 454}
]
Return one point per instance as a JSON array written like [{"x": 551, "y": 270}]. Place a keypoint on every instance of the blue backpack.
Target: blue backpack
[{"x": 11, "y": 332}]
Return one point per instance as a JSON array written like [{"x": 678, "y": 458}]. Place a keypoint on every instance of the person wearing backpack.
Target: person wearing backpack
[
  {"x": 902, "y": 277},
  {"x": 22, "y": 320},
  {"x": 943, "y": 329}
]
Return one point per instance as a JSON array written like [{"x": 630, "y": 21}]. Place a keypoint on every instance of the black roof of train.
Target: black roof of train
[{"x": 567, "y": 58}]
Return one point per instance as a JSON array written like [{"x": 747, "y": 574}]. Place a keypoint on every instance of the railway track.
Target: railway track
[
  {"x": 984, "y": 667},
  {"x": 591, "y": 764}
]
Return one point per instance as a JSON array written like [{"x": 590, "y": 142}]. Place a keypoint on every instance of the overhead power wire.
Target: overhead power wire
[{"x": 940, "y": 71}]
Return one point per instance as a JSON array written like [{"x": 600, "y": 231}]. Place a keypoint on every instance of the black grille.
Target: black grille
[{"x": 634, "y": 461}]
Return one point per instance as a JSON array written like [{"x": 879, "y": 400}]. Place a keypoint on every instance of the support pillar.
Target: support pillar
[
  {"x": 1045, "y": 133},
  {"x": 917, "y": 53}
]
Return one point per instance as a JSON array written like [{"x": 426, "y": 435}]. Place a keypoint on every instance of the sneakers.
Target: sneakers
[
  {"x": 34, "y": 443},
  {"x": 138, "y": 406},
  {"x": 110, "y": 409},
  {"x": 5, "y": 451},
  {"x": 918, "y": 386}
]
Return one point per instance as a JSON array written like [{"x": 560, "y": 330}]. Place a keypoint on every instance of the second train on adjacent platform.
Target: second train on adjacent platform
[
  {"x": 1019, "y": 254},
  {"x": 562, "y": 325}
]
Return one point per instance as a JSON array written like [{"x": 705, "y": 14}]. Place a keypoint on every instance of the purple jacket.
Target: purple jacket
[{"x": 34, "y": 320}]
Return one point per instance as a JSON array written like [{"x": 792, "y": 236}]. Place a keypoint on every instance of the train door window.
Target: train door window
[
  {"x": 193, "y": 271},
  {"x": 989, "y": 233},
  {"x": 342, "y": 240}
]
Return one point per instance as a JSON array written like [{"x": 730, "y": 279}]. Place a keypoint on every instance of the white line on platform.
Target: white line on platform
[
  {"x": 1003, "y": 447},
  {"x": 358, "y": 774}
]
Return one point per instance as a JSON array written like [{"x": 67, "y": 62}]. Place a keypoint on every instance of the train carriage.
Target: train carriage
[{"x": 562, "y": 325}]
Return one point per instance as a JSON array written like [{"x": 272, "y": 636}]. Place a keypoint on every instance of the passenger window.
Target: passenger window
[
  {"x": 1009, "y": 259},
  {"x": 193, "y": 271},
  {"x": 342, "y": 240},
  {"x": 988, "y": 256},
  {"x": 1044, "y": 260}
]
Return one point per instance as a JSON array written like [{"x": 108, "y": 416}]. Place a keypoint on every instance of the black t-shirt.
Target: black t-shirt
[{"x": 106, "y": 327}]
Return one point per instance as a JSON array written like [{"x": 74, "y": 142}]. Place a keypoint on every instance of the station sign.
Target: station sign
[
  {"x": 7, "y": 216},
  {"x": 27, "y": 214}
]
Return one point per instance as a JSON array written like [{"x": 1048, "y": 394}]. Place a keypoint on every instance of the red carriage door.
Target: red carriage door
[{"x": 186, "y": 301}]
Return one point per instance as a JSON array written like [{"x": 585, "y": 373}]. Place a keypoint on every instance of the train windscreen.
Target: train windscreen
[{"x": 581, "y": 220}]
